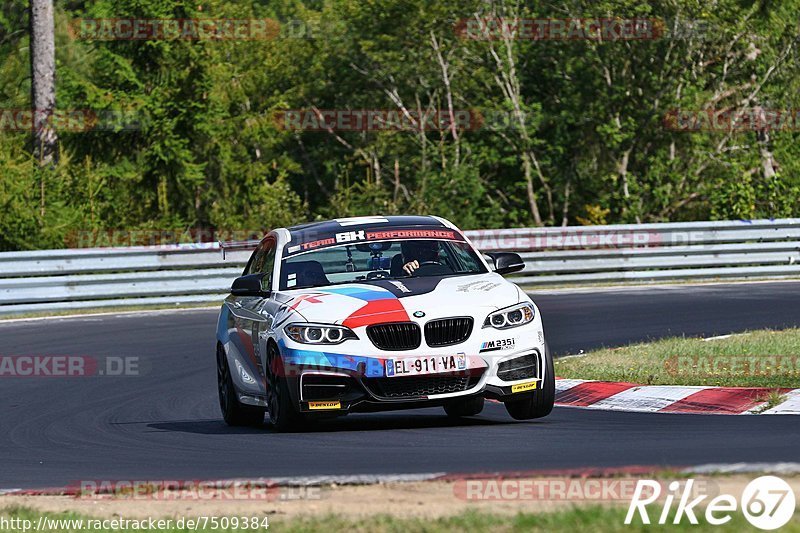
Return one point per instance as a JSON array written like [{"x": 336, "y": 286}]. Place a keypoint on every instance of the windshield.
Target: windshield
[{"x": 396, "y": 259}]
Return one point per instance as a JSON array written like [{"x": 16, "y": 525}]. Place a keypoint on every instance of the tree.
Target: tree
[{"x": 43, "y": 74}]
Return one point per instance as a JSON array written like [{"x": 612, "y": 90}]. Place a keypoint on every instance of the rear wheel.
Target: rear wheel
[
  {"x": 234, "y": 412},
  {"x": 540, "y": 403},
  {"x": 283, "y": 415},
  {"x": 464, "y": 407}
]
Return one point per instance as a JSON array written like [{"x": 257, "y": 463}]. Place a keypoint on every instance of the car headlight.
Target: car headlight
[
  {"x": 319, "y": 333},
  {"x": 510, "y": 317}
]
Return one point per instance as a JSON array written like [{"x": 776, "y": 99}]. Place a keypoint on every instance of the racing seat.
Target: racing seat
[
  {"x": 304, "y": 274},
  {"x": 396, "y": 268}
]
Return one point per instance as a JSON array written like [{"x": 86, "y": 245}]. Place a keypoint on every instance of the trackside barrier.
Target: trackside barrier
[{"x": 96, "y": 278}]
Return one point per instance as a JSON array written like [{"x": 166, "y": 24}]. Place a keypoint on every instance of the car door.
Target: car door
[{"x": 254, "y": 314}]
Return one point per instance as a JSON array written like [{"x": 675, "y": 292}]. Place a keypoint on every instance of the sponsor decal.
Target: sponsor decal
[
  {"x": 402, "y": 288},
  {"x": 350, "y": 236},
  {"x": 324, "y": 405},
  {"x": 477, "y": 286},
  {"x": 313, "y": 298},
  {"x": 316, "y": 244},
  {"x": 412, "y": 234},
  {"x": 362, "y": 235},
  {"x": 523, "y": 387},
  {"x": 500, "y": 344}
]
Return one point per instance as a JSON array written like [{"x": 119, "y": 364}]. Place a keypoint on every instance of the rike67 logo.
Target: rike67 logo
[{"x": 767, "y": 502}]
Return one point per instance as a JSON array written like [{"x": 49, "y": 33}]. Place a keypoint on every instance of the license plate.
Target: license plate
[{"x": 415, "y": 366}]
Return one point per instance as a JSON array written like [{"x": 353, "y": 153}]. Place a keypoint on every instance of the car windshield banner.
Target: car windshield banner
[{"x": 313, "y": 240}]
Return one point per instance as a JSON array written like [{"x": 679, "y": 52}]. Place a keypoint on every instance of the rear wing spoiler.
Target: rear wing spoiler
[{"x": 233, "y": 246}]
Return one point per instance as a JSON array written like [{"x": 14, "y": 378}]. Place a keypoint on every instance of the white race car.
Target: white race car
[{"x": 378, "y": 313}]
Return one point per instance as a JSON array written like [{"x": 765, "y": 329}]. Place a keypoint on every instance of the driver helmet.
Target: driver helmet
[{"x": 420, "y": 250}]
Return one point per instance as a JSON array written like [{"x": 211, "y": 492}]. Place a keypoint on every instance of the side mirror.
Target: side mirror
[
  {"x": 249, "y": 285},
  {"x": 506, "y": 262}
]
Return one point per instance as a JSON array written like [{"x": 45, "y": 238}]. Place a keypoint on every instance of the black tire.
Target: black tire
[
  {"x": 283, "y": 415},
  {"x": 234, "y": 412},
  {"x": 539, "y": 403},
  {"x": 464, "y": 407}
]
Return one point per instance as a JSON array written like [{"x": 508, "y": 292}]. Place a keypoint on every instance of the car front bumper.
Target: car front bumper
[{"x": 360, "y": 385}]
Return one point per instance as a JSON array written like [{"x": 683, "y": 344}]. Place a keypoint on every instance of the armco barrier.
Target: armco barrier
[{"x": 58, "y": 280}]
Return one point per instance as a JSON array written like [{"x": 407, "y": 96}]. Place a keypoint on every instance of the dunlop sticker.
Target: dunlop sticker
[
  {"x": 325, "y": 405},
  {"x": 522, "y": 387}
]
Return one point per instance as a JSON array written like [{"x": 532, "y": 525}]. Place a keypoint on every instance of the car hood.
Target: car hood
[{"x": 362, "y": 304}]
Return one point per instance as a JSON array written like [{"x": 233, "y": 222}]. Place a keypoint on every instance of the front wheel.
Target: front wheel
[
  {"x": 234, "y": 412},
  {"x": 283, "y": 415},
  {"x": 540, "y": 403}
]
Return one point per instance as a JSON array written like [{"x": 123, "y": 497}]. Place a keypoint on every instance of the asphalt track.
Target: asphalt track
[{"x": 165, "y": 423}]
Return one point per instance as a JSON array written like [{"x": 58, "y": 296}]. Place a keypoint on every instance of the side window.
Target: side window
[
  {"x": 262, "y": 262},
  {"x": 267, "y": 264},
  {"x": 256, "y": 260}
]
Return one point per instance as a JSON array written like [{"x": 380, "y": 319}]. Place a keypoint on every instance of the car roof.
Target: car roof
[{"x": 371, "y": 222}]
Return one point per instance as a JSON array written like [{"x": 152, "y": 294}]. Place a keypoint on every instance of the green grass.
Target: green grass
[
  {"x": 593, "y": 518},
  {"x": 762, "y": 358}
]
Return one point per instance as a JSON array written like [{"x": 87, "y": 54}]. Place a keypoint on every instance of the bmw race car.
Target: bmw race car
[{"x": 378, "y": 313}]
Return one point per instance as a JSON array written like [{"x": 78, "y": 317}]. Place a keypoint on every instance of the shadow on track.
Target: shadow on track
[{"x": 369, "y": 422}]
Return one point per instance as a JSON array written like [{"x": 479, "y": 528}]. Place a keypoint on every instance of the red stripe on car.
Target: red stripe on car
[{"x": 376, "y": 312}]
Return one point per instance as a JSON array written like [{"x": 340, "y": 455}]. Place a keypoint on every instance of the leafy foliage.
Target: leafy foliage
[{"x": 572, "y": 131}]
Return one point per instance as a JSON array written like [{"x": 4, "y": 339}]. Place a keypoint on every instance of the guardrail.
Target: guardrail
[{"x": 60, "y": 280}]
